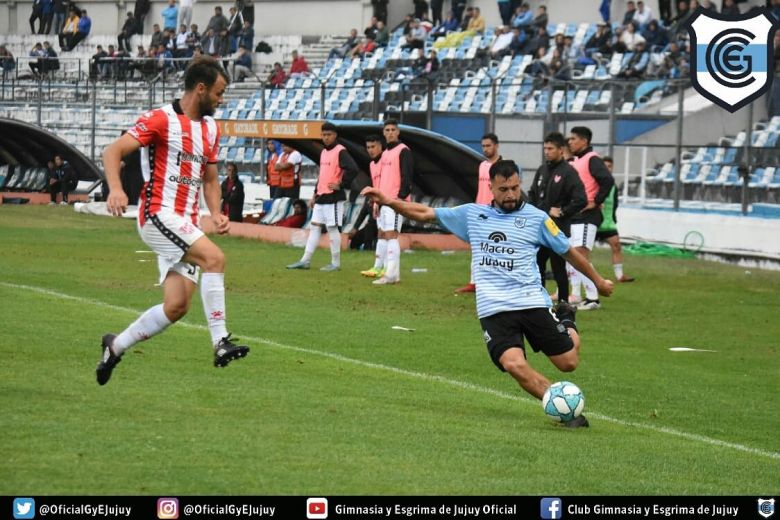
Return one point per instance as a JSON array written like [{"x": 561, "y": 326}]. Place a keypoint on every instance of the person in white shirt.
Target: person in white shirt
[
  {"x": 501, "y": 43},
  {"x": 643, "y": 15},
  {"x": 630, "y": 37}
]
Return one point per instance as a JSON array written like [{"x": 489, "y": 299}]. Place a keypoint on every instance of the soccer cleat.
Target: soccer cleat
[
  {"x": 226, "y": 351},
  {"x": 577, "y": 422},
  {"x": 108, "y": 361},
  {"x": 372, "y": 273},
  {"x": 574, "y": 299},
  {"x": 330, "y": 267},
  {"x": 566, "y": 313},
  {"x": 468, "y": 288},
  {"x": 300, "y": 264},
  {"x": 386, "y": 280},
  {"x": 589, "y": 305},
  {"x": 63, "y": 203},
  {"x": 626, "y": 279}
]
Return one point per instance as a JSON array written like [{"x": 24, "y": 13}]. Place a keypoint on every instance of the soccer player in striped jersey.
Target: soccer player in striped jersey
[
  {"x": 179, "y": 144},
  {"x": 511, "y": 301}
]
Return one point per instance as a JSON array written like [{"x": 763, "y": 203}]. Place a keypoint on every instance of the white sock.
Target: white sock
[
  {"x": 393, "y": 264},
  {"x": 150, "y": 323},
  {"x": 381, "y": 253},
  {"x": 618, "y": 270},
  {"x": 311, "y": 243},
  {"x": 212, "y": 292},
  {"x": 576, "y": 281},
  {"x": 335, "y": 245},
  {"x": 591, "y": 292}
]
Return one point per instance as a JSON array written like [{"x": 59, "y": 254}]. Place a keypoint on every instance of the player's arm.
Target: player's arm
[
  {"x": 212, "y": 193},
  {"x": 603, "y": 178},
  {"x": 112, "y": 165},
  {"x": 581, "y": 264},
  {"x": 412, "y": 210},
  {"x": 407, "y": 173}
]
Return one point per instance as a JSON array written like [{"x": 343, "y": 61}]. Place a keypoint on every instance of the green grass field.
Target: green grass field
[{"x": 333, "y": 401}]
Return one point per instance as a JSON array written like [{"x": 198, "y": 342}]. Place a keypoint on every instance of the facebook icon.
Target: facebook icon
[{"x": 551, "y": 508}]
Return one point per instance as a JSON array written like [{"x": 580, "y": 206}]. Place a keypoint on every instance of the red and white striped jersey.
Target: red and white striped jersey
[{"x": 174, "y": 154}]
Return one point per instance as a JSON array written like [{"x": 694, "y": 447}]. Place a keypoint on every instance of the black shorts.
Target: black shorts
[
  {"x": 540, "y": 327},
  {"x": 602, "y": 236}
]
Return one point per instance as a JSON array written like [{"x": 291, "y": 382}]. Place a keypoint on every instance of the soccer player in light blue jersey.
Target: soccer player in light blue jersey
[{"x": 512, "y": 304}]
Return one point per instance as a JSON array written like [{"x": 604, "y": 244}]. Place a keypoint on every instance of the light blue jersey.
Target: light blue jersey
[{"x": 503, "y": 253}]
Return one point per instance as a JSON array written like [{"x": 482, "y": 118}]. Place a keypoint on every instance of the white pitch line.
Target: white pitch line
[{"x": 420, "y": 375}]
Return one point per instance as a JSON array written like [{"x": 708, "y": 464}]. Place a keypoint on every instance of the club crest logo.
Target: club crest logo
[
  {"x": 766, "y": 508},
  {"x": 732, "y": 57}
]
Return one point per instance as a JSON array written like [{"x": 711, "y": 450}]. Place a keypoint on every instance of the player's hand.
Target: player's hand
[
  {"x": 375, "y": 210},
  {"x": 116, "y": 203},
  {"x": 375, "y": 195},
  {"x": 334, "y": 186},
  {"x": 222, "y": 222},
  {"x": 312, "y": 201},
  {"x": 590, "y": 205},
  {"x": 605, "y": 287}
]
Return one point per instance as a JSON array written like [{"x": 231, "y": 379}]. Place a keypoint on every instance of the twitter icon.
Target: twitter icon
[{"x": 24, "y": 508}]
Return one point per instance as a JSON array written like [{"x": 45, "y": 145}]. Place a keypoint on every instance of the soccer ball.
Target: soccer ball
[{"x": 563, "y": 401}]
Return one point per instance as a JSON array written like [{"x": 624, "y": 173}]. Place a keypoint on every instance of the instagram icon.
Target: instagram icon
[{"x": 167, "y": 508}]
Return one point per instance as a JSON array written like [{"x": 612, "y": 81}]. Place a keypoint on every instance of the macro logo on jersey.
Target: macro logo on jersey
[
  {"x": 190, "y": 157},
  {"x": 492, "y": 248},
  {"x": 732, "y": 56}
]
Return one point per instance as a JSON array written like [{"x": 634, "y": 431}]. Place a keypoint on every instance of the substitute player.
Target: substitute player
[
  {"x": 179, "y": 144},
  {"x": 374, "y": 150},
  {"x": 608, "y": 231},
  {"x": 484, "y": 196},
  {"x": 396, "y": 183},
  {"x": 511, "y": 302},
  {"x": 337, "y": 170}
]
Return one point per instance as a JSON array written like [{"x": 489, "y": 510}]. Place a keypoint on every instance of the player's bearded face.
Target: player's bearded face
[
  {"x": 210, "y": 98},
  {"x": 506, "y": 192}
]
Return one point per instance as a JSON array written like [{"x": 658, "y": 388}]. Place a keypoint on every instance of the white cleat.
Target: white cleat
[{"x": 386, "y": 280}]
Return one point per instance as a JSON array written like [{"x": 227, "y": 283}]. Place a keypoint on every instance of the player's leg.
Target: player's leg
[
  {"x": 313, "y": 241},
  {"x": 380, "y": 255},
  {"x": 514, "y": 363},
  {"x": 617, "y": 258},
  {"x": 335, "y": 217},
  {"x": 588, "y": 240},
  {"x": 390, "y": 222}
]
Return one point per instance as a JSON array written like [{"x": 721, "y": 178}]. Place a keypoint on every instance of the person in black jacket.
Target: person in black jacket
[
  {"x": 233, "y": 194},
  {"x": 66, "y": 178},
  {"x": 558, "y": 191}
]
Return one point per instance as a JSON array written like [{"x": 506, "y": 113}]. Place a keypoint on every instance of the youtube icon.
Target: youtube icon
[{"x": 317, "y": 508}]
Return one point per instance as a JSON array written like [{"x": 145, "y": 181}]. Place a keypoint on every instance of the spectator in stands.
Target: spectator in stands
[
  {"x": 371, "y": 30},
  {"x": 298, "y": 218},
  {"x": 446, "y": 26},
  {"x": 36, "y": 14},
  {"x": 170, "y": 15},
  {"x": 655, "y": 36},
  {"x": 429, "y": 67},
  {"x": 477, "y": 22},
  {"x": 121, "y": 63},
  {"x": 523, "y": 17},
  {"x": 164, "y": 59},
  {"x": 382, "y": 34},
  {"x": 540, "y": 20},
  {"x": 367, "y": 45},
  {"x": 417, "y": 36},
  {"x": 82, "y": 30},
  {"x": 289, "y": 168},
  {"x": 630, "y": 12},
  {"x": 678, "y": 22},
  {"x": 217, "y": 23},
  {"x": 235, "y": 26},
  {"x": 247, "y": 36},
  {"x": 505, "y": 11},
  {"x": 7, "y": 61},
  {"x": 557, "y": 68},
  {"x": 600, "y": 41},
  {"x": 631, "y": 37},
  {"x": 540, "y": 65},
  {"x": 97, "y": 66},
  {"x": 59, "y": 10},
  {"x": 637, "y": 64},
  {"x": 643, "y": 15},
  {"x": 157, "y": 36},
  {"x": 47, "y": 11},
  {"x": 128, "y": 30},
  {"x": 66, "y": 177},
  {"x": 458, "y": 6},
  {"x": 708, "y": 5},
  {"x": 467, "y": 16},
  {"x": 193, "y": 39},
  {"x": 52, "y": 61},
  {"x": 185, "y": 12},
  {"x": 343, "y": 50},
  {"x": 539, "y": 42},
  {"x": 298, "y": 67},
  {"x": 729, "y": 8},
  {"x": 775, "y": 10},
  {"x": 181, "y": 47},
  {"x": 39, "y": 54},
  {"x": 436, "y": 10},
  {"x": 420, "y": 9},
  {"x": 140, "y": 11},
  {"x": 665, "y": 11},
  {"x": 673, "y": 64},
  {"x": 380, "y": 9},
  {"x": 519, "y": 39},
  {"x": 501, "y": 43},
  {"x": 242, "y": 65},
  {"x": 69, "y": 29},
  {"x": 278, "y": 77},
  {"x": 210, "y": 43},
  {"x": 233, "y": 194}
]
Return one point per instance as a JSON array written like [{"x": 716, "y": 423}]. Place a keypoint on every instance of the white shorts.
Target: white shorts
[
  {"x": 583, "y": 235},
  {"x": 170, "y": 236},
  {"x": 389, "y": 220},
  {"x": 329, "y": 214}
]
